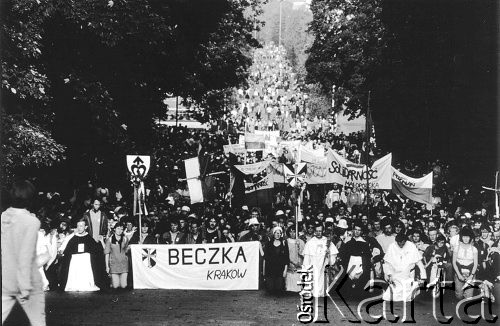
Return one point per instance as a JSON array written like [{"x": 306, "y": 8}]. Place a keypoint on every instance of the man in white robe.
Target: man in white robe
[
  {"x": 400, "y": 259},
  {"x": 317, "y": 255}
]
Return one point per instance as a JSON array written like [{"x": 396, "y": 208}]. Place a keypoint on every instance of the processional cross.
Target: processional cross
[{"x": 497, "y": 193}]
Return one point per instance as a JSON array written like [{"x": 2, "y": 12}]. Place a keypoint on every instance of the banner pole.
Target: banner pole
[
  {"x": 367, "y": 150},
  {"x": 497, "y": 208},
  {"x": 139, "y": 211},
  {"x": 297, "y": 219}
]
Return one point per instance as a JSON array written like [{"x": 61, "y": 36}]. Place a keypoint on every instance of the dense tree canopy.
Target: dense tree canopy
[
  {"x": 94, "y": 73},
  {"x": 346, "y": 53},
  {"x": 430, "y": 67}
]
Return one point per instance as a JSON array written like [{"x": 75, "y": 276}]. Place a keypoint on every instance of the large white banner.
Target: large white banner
[
  {"x": 345, "y": 172},
  {"x": 416, "y": 189},
  {"x": 217, "y": 266}
]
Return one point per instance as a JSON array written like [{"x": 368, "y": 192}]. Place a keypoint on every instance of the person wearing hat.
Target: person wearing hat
[
  {"x": 320, "y": 253},
  {"x": 329, "y": 227},
  {"x": 342, "y": 228},
  {"x": 185, "y": 210},
  {"x": 253, "y": 233}
]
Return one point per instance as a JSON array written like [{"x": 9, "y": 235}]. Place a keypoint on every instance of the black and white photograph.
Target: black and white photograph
[{"x": 250, "y": 162}]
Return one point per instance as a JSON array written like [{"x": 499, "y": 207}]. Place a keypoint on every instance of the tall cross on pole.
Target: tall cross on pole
[{"x": 497, "y": 193}]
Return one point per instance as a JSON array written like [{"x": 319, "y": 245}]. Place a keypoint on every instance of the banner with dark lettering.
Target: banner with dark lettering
[
  {"x": 419, "y": 190},
  {"x": 217, "y": 266},
  {"x": 349, "y": 174},
  {"x": 259, "y": 193}
]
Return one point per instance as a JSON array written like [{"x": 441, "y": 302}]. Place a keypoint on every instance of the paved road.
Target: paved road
[{"x": 178, "y": 307}]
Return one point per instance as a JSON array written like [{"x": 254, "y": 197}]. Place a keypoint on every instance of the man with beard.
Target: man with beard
[
  {"x": 387, "y": 237},
  {"x": 211, "y": 233},
  {"x": 355, "y": 256}
]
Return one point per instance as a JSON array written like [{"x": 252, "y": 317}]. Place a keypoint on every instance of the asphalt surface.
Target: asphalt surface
[{"x": 182, "y": 307}]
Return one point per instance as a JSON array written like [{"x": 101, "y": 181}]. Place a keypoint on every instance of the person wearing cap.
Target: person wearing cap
[
  {"x": 319, "y": 253},
  {"x": 276, "y": 260},
  {"x": 185, "y": 210},
  {"x": 253, "y": 234},
  {"x": 343, "y": 230},
  {"x": 329, "y": 227}
]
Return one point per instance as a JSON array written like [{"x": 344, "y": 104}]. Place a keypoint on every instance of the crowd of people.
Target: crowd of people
[
  {"x": 84, "y": 237},
  {"x": 365, "y": 240}
]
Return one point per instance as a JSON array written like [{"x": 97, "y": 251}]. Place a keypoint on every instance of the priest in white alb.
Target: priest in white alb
[
  {"x": 319, "y": 252},
  {"x": 400, "y": 260}
]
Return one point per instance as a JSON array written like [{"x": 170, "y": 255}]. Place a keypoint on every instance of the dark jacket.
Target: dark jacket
[
  {"x": 149, "y": 239},
  {"x": 103, "y": 227},
  {"x": 180, "y": 239},
  {"x": 190, "y": 239}
]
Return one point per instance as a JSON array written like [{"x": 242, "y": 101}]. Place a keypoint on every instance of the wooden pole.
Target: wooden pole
[
  {"x": 497, "y": 208},
  {"x": 297, "y": 219},
  {"x": 176, "y": 110},
  {"x": 139, "y": 211},
  {"x": 367, "y": 150}
]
